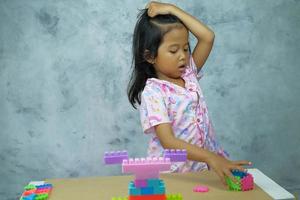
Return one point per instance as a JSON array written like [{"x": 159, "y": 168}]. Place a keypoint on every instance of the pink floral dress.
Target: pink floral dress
[{"x": 186, "y": 111}]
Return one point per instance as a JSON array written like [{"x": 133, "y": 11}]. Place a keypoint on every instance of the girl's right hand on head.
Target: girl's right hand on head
[
  {"x": 157, "y": 8},
  {"x": 223, "y": 167}
]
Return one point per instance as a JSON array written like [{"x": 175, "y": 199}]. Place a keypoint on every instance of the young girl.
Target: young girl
[{"x": 164, "y": 83}]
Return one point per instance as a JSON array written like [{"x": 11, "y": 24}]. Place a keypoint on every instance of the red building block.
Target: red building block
[{"x": 148, "y": 197}]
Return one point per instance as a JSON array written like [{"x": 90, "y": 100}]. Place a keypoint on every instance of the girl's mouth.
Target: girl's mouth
[{"x": 182, "y": 68}]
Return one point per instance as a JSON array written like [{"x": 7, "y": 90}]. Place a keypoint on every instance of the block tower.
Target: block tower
[{"x": 146, "y": 184}]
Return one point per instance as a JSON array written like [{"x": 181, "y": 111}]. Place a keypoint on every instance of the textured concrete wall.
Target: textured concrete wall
[{"x": 64, "y": 67}]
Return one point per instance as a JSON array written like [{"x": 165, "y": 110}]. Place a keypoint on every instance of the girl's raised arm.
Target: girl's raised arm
[{"x": 204, "y": 35}]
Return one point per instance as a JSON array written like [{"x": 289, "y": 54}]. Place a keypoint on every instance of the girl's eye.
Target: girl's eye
[
  {"x": 173, "y": 51},
  {"x": 186, "y": 49}
]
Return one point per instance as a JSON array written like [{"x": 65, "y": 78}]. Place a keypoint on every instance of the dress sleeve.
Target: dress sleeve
[
  {"x": 199, "y": 74},
  {"x": 153, "y": 110}
]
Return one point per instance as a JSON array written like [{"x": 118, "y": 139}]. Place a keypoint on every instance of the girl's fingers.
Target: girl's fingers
[
  {"x": 238, "y": 167},
  {"x": 150, "y": 12},
  {"x": 242, "y": 162},
  {"x": 229, "y": 175}
]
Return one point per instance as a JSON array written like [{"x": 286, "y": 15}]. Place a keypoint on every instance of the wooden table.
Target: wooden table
[{"x": 104, "y": 188}]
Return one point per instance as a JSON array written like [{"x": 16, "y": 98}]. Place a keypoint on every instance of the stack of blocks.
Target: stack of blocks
[
  {"x": 244, "y": 181},
  {"x": 146, "y": 185},
  {"x": 36, "y": 192}
]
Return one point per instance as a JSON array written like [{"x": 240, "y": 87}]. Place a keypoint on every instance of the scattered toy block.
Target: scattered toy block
[
  {"x": 36, "y": 192},
  {"x": 200, "y": 188}
]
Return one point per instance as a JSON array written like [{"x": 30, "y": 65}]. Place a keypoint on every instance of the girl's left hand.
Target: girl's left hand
[
  {"x": 157, "y": 8},
  {"x": 223, "y": 167}
]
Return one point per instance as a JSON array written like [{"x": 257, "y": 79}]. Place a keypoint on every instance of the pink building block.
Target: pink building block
[
  {"x": 247, "y": 183},
  {"x": 115, "y": 157},
  {"x": 176, "y": 155},
  {"x": 200, "y": 188},
  {"x": 146, "y": 168}
]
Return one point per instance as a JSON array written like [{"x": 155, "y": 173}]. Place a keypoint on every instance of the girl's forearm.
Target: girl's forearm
[{"x": 199, "y": 30}]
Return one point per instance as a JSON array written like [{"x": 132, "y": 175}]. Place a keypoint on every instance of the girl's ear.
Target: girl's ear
[{"x": 150, "y": 59}]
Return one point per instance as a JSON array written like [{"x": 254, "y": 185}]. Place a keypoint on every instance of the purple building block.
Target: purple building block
[
  {"x": 140, "y": 183},
  {"x": 176, "y": 155},
  {"x": 115, "y": 157}
]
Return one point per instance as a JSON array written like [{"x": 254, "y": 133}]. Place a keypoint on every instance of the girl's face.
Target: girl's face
[{"x": 173, "y": 54}]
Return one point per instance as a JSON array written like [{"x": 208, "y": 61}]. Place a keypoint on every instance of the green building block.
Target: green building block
[
  {"x": 232, "y": 185},
  {"x": 119, "y": 198},
  {"x": 41, "y": 197},
  {"x": 29, "y": 187},
  {"x": 174, "y": 197}
]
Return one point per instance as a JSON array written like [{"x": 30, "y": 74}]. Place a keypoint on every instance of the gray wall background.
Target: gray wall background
[{"x": 65, "y": 66}]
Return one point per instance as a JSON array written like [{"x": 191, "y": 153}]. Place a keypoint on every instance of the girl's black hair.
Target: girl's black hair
[{"x": 147, "y": 36}]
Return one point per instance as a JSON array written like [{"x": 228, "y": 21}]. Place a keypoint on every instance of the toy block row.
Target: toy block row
[
  {"x": 244, "y": 181},
  {"x": 176, "y": 155},
  {"x": 115, "y": 157},
  {"x": 154, "y": 187}
]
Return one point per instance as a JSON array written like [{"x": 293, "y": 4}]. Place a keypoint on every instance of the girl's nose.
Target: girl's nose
[{"x": 182, "y": 55}]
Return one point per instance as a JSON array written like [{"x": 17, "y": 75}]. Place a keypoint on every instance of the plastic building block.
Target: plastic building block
[
  {"x": 158, "y": 186},
  {"x": 140, "y": 183},
  {"x": 42, "y": 191},
  {"x": 174, "y": 197},
  {"x": 239, "y": 173},
  {"x": 232, "y": 185},
  {"x": 29, "y": 197},
  {"x": 146, "y": 168},
  {"x": 244, "y": 181},
  {"x": 137, "y": 165},
  {"x": 147, "y": 190},
  {"x": 148, "y": 197},
  {"x": 200, "y": 188},
  {"x": 132, "y": 190},
  {"x": 44, "y": 186},
  {"x": 41, "y": 197},
  {"x": 29, "y": 187},
  {"x": 29, "y": 192},
  {"x": 119, "y": 198},
  {"x": 154, "y": 182},
  {"x": 176, "y": 155},
  {"x": 247, "y": 183},
  {"x": 115, "y": 157}
]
